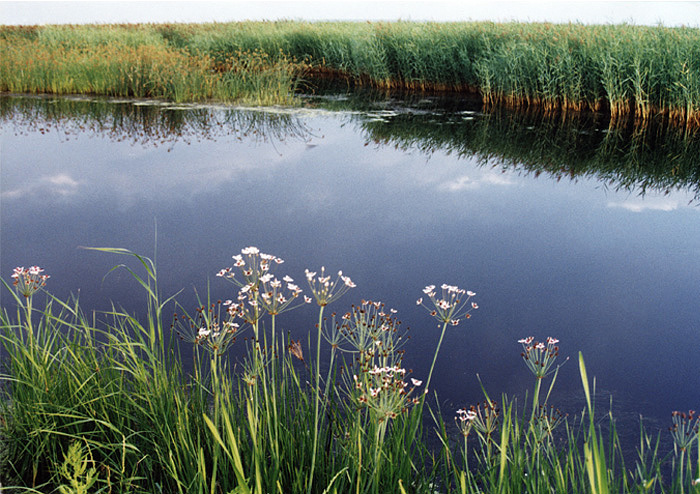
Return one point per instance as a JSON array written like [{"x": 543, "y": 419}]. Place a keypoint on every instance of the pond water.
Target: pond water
[{"x": 562, "y": 229}]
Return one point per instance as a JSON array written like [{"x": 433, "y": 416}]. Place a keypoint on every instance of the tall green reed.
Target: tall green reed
[{"x": 628, "y": 71}]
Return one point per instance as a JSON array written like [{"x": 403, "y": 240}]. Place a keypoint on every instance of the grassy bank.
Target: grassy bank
[
  {"x": 137, "y": 62},
  {"x": 624, "y": 70},
  {"x": 103, "y": 404}
]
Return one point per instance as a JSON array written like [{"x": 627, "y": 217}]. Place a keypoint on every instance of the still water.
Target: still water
[{"x": 567, "y": 231}]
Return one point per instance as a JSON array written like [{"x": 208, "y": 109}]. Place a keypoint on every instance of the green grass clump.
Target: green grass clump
[
  {"x": 104, "y": 405},
  {"x": 137, "y": 62}
]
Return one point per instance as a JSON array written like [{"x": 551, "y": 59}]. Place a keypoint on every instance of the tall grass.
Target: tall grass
[
  {"x": 625, "y": 70},
  {"x": 137, "y": 62},
  {"x": 103, "y": 404}
]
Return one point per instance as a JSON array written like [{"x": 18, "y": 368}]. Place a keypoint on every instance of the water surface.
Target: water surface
[{"x": 569, "y": 231}]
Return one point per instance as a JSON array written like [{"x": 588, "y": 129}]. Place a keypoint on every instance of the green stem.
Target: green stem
[
  {"x": 682, "y": 465},
  {"x": 318, "y": 398},
  {"x": 466, "y": 454},
  {"x": 379, "y": 442},
  {"x": 437, "y": 350},
  {"x": 30, "y": 328},
  {"x": 272, "y": 400},
  {"x": 536, "y": 398}
]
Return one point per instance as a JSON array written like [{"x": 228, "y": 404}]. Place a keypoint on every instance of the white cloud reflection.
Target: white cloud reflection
[
  {"x": 648, "y": 203},
  {"x": 61, "y": 185},
  {"x": 466, "y": 182}
]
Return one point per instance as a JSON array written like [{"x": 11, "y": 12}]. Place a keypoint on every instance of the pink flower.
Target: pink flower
[{"x": 29, "y": 281}]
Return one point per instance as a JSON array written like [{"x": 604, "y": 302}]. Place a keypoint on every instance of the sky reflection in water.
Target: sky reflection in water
[{"x": 608, "y": 273}]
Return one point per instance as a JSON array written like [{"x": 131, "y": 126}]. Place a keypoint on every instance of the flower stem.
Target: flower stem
[
  {"x": 437, "y": 350},
  {"x": 318, "y": 397}
]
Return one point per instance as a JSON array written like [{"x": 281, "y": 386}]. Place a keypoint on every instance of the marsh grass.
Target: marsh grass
[
  {"x": 624, "y": 70},
  {"x": 137, "y": 62},
  {"x": 103, "y": 404}
]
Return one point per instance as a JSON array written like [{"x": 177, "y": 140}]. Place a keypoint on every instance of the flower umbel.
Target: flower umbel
[
  {"x": 464, "y": 420},
  {"x": 206, "y": 328},
  {"x": 253, "y": 264},
  {"x": 685, "y": 429},
  {"x": 544, "y": 422},
  {"x": 326, "y": 291},
  {"x": 274, "y": 299},
  {"x": 538, "y": 356},
  {"x": 372, "y": 332},
  {"x": 29, "y": 281},
  {"x": 383, "y": 391},
  {"x": 452, "y": 306},
  {"x": 486, "y": 415},
  {"x": 260, "y": 291}
]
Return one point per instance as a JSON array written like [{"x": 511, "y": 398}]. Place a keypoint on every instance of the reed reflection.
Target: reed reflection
[
  {"x": 639, "y": 158},
  {"x": 653, "y": 157},
  {"x": 148, "y": 123}
]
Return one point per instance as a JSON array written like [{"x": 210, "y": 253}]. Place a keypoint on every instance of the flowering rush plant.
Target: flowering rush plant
[
  {"x": 29, "y": 281},
  {"x": 685, "y": 429},
  {"x": 325, "y": 289},
  {"x": 372, "y": 332},
  {"x": 383, "y": 391},
  {"x": 207, "y": 329},
  {"x": 539, "y": 356},
  {"x": 260, "y": 290},
  {"x": 464, "y": 420},
  {"x": 452, "y": 305}
]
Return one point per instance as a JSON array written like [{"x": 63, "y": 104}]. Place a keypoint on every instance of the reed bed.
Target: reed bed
[
  {"x": 624, "y": 70},
  {"x": 103, "y": 404},
  {"x": 138, "y": 63}
]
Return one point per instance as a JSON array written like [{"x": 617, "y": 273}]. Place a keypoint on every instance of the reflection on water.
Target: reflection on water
[
  {"x": 398, "y": 196},
  {"x": 142, "y": 122},
  {"x": 654, "y": 157}
]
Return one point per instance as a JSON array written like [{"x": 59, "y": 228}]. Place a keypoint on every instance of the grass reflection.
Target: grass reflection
[
  {"x": 654, "y": 157},
  {"x": 640, "y": 158},
  {"x": 149, "y": 123}
]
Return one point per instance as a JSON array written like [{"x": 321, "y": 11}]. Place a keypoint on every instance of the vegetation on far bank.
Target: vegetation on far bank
[{"x": 621, "y": 69}]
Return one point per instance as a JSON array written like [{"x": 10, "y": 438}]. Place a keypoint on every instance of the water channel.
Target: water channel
[{"x": 562, "y": 226}]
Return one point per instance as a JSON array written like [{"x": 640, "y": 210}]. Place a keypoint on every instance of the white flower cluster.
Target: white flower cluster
[
  {"x": 29, "y": 281},
  {"x": 260, "y": 291},
  {"x": 452, "y": 306},
  {"x": 539, "y": 356},
  {"x": 324, "y": 289},
  {"x": 383, "y": 391}
]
